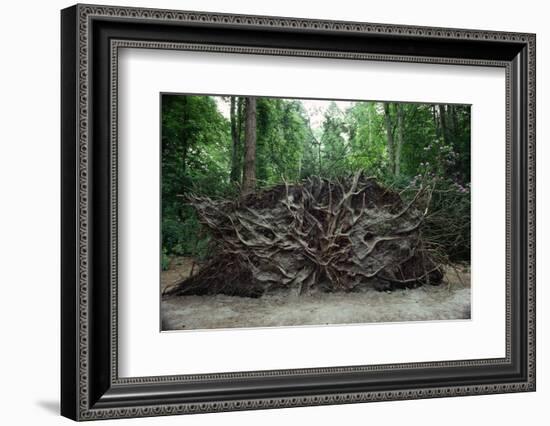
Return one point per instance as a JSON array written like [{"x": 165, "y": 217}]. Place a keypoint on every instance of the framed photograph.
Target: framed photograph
[{"x": 263, "y": 212}]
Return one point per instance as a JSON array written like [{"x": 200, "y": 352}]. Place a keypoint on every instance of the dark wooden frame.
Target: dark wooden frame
[{"x": 90, "y": 386}]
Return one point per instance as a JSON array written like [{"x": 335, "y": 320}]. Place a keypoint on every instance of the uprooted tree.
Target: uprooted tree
[{"x": 319, "y": 234}]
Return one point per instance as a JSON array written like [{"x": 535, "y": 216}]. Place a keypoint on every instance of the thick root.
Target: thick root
[{"x": 329, "y": 235}]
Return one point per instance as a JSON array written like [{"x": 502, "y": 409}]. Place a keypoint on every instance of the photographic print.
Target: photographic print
[
  {"x": 293, "y": 212},
  {"x": 314, "y": 195}
]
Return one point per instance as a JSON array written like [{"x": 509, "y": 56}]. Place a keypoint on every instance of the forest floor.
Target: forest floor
[{"x": 450, "y": 300}]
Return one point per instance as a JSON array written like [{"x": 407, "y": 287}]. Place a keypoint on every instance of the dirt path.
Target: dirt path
[{"x": 450, "y": 300}]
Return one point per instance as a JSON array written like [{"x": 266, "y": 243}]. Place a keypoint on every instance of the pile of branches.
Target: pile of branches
[{"x": 314, "y": 235}]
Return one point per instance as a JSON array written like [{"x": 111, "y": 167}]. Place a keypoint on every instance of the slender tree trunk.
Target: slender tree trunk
[
  {"x": 183, "y": 138},
  {"x": 240, "y": 131},
  {"x": 369, "y": 115},
  {"x": 389, "y": 131},
  {"x": 235, "y": 163},
  {"x": 436, "y": 123},
  {"x": 443, "y": 124},
  {"x": 400, "y": 139},
  {"x": 453, "y": 124},
  {"x": 249, "y": 170},
  {"x": 317, "y": 143},
  {"x": 319, "y": 157},
  {"x": 240, "y": 121}
]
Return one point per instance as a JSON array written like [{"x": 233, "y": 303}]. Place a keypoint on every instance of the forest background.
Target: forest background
[{"x": 230, "y": 146}]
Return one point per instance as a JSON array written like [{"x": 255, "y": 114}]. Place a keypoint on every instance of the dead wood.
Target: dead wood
[{"x": 330, "y": 235}]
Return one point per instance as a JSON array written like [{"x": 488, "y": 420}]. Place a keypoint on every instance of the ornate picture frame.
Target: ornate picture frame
[{"x": 91, "y": 37}]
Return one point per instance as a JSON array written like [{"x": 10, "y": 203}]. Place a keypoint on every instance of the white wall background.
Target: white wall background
[{"x": 29, "y": 213}]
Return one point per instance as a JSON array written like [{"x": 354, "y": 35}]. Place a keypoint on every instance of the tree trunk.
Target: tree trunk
[
  {"x": 389, "y": 131},
  {"x": 319, "y": 156},
  {"x": 443, "y": 124},
  {"x": 400, "y": 138},
  {"x": 240, "y": 124},
  {"x": 453, "y": 124},
  {"x": 436, "y": 124},
  {"x": 452, "y": 118},
  {"x": 369, "y": 114},
  {"x": 235, "y": 163},
  {"x": 184, "y": 138},
  {"x": 249, "y": 170}
]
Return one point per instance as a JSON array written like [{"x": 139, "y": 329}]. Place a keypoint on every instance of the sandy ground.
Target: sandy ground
[{"x": 450, "y": 300}]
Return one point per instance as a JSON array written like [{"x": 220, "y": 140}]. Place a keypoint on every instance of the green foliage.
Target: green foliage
[
  {"x": 195, "y": 158},
  {"x": 281, "y": 135},
  {"x": 335, "y": 143},
  {"x": 367, "y": 139},
  {"x": 182, "y": 233},
  {"x": 165, "y": 260},
  {"x": 198, "y": 147},
  {"x": 448, "y": 224}
]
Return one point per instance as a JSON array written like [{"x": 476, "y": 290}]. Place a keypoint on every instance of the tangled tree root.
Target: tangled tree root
[{"x": 317, "y": 234}]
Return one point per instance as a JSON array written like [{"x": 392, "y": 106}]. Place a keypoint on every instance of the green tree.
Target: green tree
[
  {"x": 367, "y": 139},
  {"x": 195, "y": 157},
  {"x": 334, "y": 142}
]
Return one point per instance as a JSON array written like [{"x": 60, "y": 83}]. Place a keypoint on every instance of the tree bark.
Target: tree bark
[
  {"x": 443, "y": 124},
  {"x": 436, "y": 123},
  {"x": 389, "y": 132},
  {"x": 319, "y": 234},
  {"x": 235, "y": 163},
  {"x": 184, "y": 138},
  {"x": 240, "y": 124},
  {"x": 369, "y": 114},
  {"x": 249, "y": 170},
  {"x": 400, "y": 139},
  {"x": 453, "y": 124}
]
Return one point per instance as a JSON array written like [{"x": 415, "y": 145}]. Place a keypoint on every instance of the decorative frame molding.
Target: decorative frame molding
[{"x": 91, "y": 37}]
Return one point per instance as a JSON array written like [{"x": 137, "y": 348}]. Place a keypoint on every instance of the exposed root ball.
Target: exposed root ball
[{"x": 330, "y": 235}]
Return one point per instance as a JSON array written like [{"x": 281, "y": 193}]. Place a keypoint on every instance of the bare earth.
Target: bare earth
[{"x": 450, "y": 300}]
